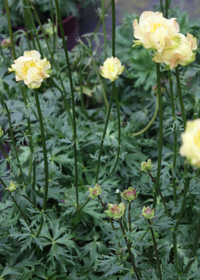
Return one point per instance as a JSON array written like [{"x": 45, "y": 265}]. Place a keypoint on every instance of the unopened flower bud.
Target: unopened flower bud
[
  {"x": 94, "y": 192},
  {"x": 130, "y": 194},
  {"x": 146, "y": 165},
  {"x": 147, "y": 212},
  {"x": 6, "y": 43},
  {"x": 115, "y": 211},
  {"x": 12, "y": 187}
]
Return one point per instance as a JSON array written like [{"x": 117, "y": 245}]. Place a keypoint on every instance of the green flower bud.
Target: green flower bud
[
  {"x": 115, "y": 211},
  {"x": 1, "y": 132},
  {"x": 130, "y": 194},
  {"x": 147, "y": 212},
  {"x": 12, "y": 187},
  {"x": 94, "y": 192},
  {"x": 146, "y": 165}
]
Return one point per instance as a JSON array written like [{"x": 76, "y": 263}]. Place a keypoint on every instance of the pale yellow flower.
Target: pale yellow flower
[
  {"x": 111, "y": 68},
  {"x": 191, "y": 142},
  {"x": 153, "y": 30},
  {"x": 31, "y": 69},
  {"x": 181, "y": 54}
]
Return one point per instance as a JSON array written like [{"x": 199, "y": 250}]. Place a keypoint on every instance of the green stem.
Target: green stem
[
  {"x": 173, "y": 166},
  {"x": 151, "y": 121},
  {"x": 30, "y": 202},
  {"x": 52, "y": 21},
  {"x": 44, "y": 154},
  {"x": 84, "y": 204},
  {"x": 129, "y": 215},
  {"x": 26, "y": 221},
  {"x": 12, "y": 136},
  {"x": 29, "y": 132},
  {"x": 52, "y": 59},
  {"x": 100, "y": 20},
  {"x": 155, "y": 247},
  {"x": 104, "y": 27},
  {"x": 111, "y": 222},
  {"x": 175, "y": 136},
  {"x": 73, "y": 99},
  {"x": 102, "y": 87},
  {"x": 33, "y": 27},
  {"x": 129, "y": 250},
  {"x": 160, "y": 135},
  {"x": 4, "y": 152},
  {"x": 180, "y": 97},
  {"x": 104, "y": 133},
  {"x": 119, "y": 134},
  {"x": 27, "y": 26},
  {"x": 163, "y": 201},
  {"x": 194, "y": 247},
  {"x": 113, "y": 27},
  {"x": 161, "y": 6},
  {"x": 10, "y": 29},
  {"x": 81, "y": 90}
]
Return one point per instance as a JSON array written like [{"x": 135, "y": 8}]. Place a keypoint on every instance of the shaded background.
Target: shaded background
[{"x": 89, "y": 19}]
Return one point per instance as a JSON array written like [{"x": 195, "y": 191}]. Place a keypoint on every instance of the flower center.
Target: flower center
[
  {"x": 111, "y": 67},
  {"x": 197, "y": 139},
  {"x": 27, "y": 65},
  {"x": 154, "y": 26}
]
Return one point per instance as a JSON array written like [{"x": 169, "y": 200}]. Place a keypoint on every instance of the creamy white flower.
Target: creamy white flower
[
  {"x": 153, "y": 30},
  {"x": 191, "y": 142},
  {"x": 31, "y": 69},
  {"x": 181, "y": 54},
  {"x": 111, "y": 68}
]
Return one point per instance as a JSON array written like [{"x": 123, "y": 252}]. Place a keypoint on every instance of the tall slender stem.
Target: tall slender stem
[
  {"x": 160, "y": 144},
  {"x": 104, "y": 27},
  {"x": 154, "y": 181},
  {"x": 151, "y": 121},
  {"x": 174, "y": 165},
  {"x": 194, "y": 247},
  {"x": 10, "y": 29},
  {"x": 101, "y": 84},
  {"x": 129, "y": 250},
  {"x": 52, "y": 60},
  {"x": 100, "y": 20},
  {"x": 156, "y": 251},
  {"x": 104, "y": 133},
  {"x": 161, "y": 6},
  {"x": 180, "y": 97},
  {"x": 24, "y": 217},
  {"x": 23, "y": 90},
  {"x": 111, "y": 222},
  {"x": 44, "y": 154},
  {"x": 113, "y": 27},
  {"x": 12, "y": 135},
  {"x": 73, "y": 99},
  {"x": 129, "y": 215}
]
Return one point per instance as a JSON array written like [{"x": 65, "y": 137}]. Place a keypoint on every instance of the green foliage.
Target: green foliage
[{"x": 80, "y": 243}]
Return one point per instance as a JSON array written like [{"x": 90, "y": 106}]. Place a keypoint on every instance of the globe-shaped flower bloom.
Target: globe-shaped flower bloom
[
  {"x": 181, "y": 54},
  {"x": 130, "y": 194},
  {"x": 191, "y": 142},
  {"x": 111, "y": 68},
  {"x": 31, "y": 69},
  {"x": 153, "y": 30},
  {"x": 147, "y": 212},
  {"x": 115, "y": 211}
]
